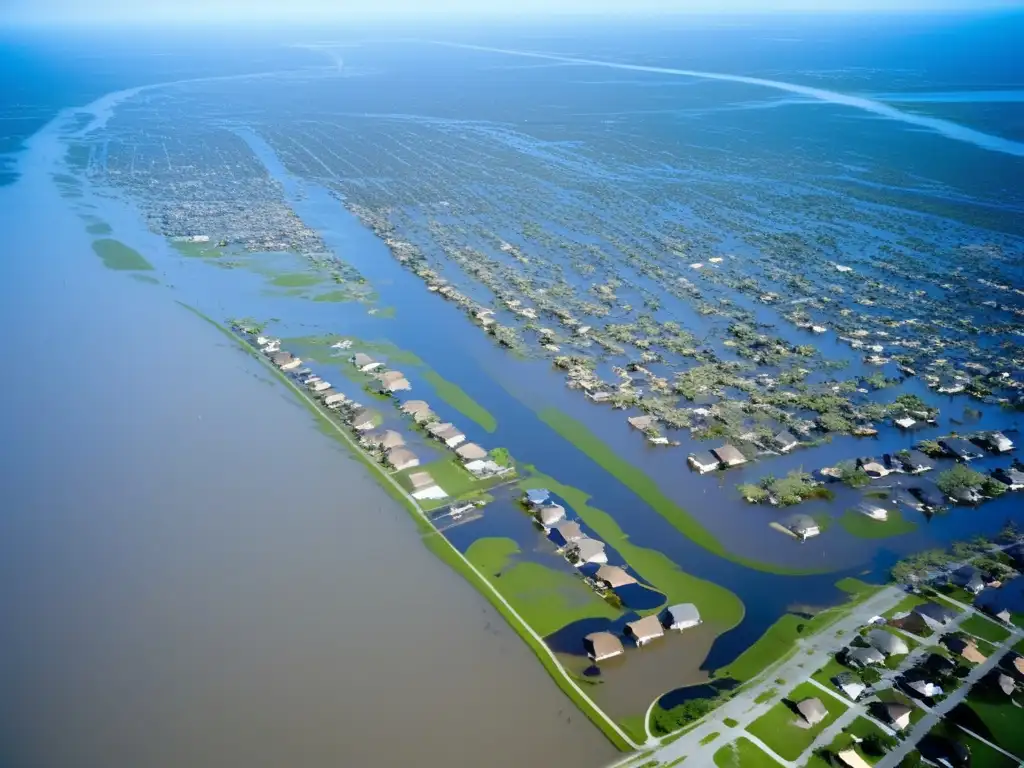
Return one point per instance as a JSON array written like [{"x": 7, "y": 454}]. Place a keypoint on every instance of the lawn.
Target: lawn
[
  {"x": 830, "y": 670},
  {"x": 1003, "y": 721},
  {"x": 861, "y": 728},
  {"x": 906, "y": 605},
  {"x": 644, "y": 486},
  {"x": 982, "y": 755},
  {"x": 864, "y": 527},
  {"x": 546, "y": 598},
  {"x": 452, "y": 477},
  {"x": 777, "y": 728},
  {"x": 981, "y": 627},
  {"x": 717, "y": 605},
  {"x": 959, "y": 594},
  {"x": 457, "y": 398},
  {"x": 778, "y": 641},
  {"x": 634, "y": 726},
  {"x": 117, "y": 255},
  {"x": 743, "y": 753}
]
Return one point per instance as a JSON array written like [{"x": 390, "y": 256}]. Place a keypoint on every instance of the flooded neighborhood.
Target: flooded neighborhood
[{"x": 601, "y": 427}]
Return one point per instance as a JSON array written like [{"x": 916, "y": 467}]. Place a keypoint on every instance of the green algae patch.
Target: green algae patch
[
  {"x": 99, "y": 228},
  {"x": 148, "y": 279},
  {"x": 195, "y": 250},
  {"x": 546, "y": 598},
  {"x": 861, "y": 526},
  {"x": 457, "y": 398},
  {"x": 296, "y": 280},
  {"x": 117, "y": 255},
  {"x": 644, "y": 486},
  {"x": 717, "y": 605},
  {"x": 337, "y": 297}
]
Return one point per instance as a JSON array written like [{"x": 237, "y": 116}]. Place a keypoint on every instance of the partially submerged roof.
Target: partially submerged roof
[
  {"x": 703, "y": 459},
  {"x": 569, "y": 530},
  {"x": 640, "y": 422},
  {"x": 614, "y": 576},
  {"x": 812, "y": 710},
  {"x": 414, "y": 406},
  {"x": 588, "y": 549},
  {"x": 683, "y": 613},
  {"x": 729, "y": 454},
  {"x": 603, "y": 645},
  {"x": 550, "y": 514},
  {"x": 363, "y": 416},
  {"x": 360, "y": 359},
  {"x": 538, "y": 496},
  {"x": 785, "y": 439},
  {"x": 471, "y": 451},
  {"x": 646, "y": 628}
]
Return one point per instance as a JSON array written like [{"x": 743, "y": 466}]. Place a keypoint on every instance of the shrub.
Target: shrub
[{"x": 957, "y": 478}]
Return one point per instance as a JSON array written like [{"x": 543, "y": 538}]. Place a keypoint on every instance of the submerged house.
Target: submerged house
[
  {"x": 640, "y": 422},
  {"x": 424, "y": 487},
  {"x": 447, "y": 433},
  {"x": 393, "y": 381},
  {"x": 364, "y": 362},
  {"x": 872, "y": 468},
  {"x": 285, "y": 361},
  {"x": 401, "y": 458},
  {"x": 410, "y": 407},
  {"x": 729, "y": 455},
  {"x": 485, "y": 468},
  {"x": 645, "y": 630},
  {"x": 333, "y": 398},
  {"x": 536, "y": 497},
  {"x": 550, "y": 515},
  {"x": 873, "y": 510},
  {"x": 913, "y": 462},
  {"x": 960, "y": 448},
  {"x": 703, "y": 461},
  {"x": 785, "y": 442},
  {"x": 602, "y": 645},
  {"x": 566, "y": 533},
  {"x": 969, "y": 578},
  {"x": 812, "y": 710},
  {"x": 1011, "y": 477},
  {"x": 996, "y": 442},
  {"x": 613, "y": 577},
  {"x": 803, "y": 526},
  {"x": 424, "y": 417},
  {"x": 682, "y": 616},
  {"x": 386, "y": 439},
  {"x": 587, "y": 550}
]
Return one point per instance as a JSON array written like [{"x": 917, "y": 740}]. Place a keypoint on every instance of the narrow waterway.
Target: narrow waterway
[{"x": 193, "y": 574}]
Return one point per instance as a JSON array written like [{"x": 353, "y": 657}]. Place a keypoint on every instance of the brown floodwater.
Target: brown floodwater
[{"x": 193, "y": 574}]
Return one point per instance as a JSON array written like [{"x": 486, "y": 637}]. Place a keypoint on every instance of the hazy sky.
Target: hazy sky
[{"x": 102, "y": 11}]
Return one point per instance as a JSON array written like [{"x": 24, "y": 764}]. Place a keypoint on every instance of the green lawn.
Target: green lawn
[
  {"x": 959, "y": 594},
  {"x": 546, "y": 598},
  {"x": 777, "y": 727},
  {"x": 645, "y": 487},
  {"x": 1004, "y": 721},
  {"x": 981, "y": 627},
  {"x": 743, "y": 753},
  {"x": 982, "y": 755},
  {"x": 717, "y": 605},
  {"x": 830, "y": 670},
  {"x": 906, "y": 605},
  {"x": 457, "y": 398},
  {"x": 634, "y": 726},
  {"x": 778, "y": 641},
  {"x": 117, "y": 255},
  {"x": 864, "y": 527},
  {"x": 861, "y": 728},
  {"x": 452, "y": 477}
]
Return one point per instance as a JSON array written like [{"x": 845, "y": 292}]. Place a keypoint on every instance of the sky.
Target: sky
[{"x": 226, "y": 11}]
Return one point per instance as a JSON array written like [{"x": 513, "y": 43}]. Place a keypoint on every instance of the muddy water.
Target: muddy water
[{"x": 192, "y": 574}]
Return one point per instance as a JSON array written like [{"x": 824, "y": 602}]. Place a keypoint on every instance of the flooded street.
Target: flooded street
[{"x": 195, "y": 575}]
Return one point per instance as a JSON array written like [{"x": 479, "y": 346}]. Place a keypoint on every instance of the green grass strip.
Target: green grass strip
[
  {"x": 458, "y": 399},
  {"x": 647, "y": 489},
  {"x": 863, "y": 527},
  {"x": 117, "y": 255}
]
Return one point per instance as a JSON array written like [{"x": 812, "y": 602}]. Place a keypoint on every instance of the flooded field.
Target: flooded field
[{"x": 594, "y": 245}]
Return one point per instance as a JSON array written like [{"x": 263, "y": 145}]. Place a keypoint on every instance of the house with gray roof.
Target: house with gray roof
[
  {"x": 864, "y": 657},
  {"x": 587, "y": 550},
  {"x": 602, "y": 645},
  {"x": 550, "y": 514},
  {"x": 645, "y": 630},
  {"x": 683, "y": 616},
  {"x": 935, "y": 615},
  {"x": 703, "y": 461},
  {"x": 887, "y": 642},
  {"x": 613, "y": 577},
  {"x": 729, "y": 455},
  {"x": 565, "y": 533}
]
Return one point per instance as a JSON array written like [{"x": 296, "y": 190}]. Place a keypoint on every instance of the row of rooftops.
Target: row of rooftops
[{"x": 606, "y": 645}]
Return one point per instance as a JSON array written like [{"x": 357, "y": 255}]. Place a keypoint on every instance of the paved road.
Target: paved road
[{"x": 810, "y": 654}]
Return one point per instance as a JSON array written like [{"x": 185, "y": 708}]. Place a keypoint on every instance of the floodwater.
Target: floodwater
[{"x": 193, "y": 574}]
